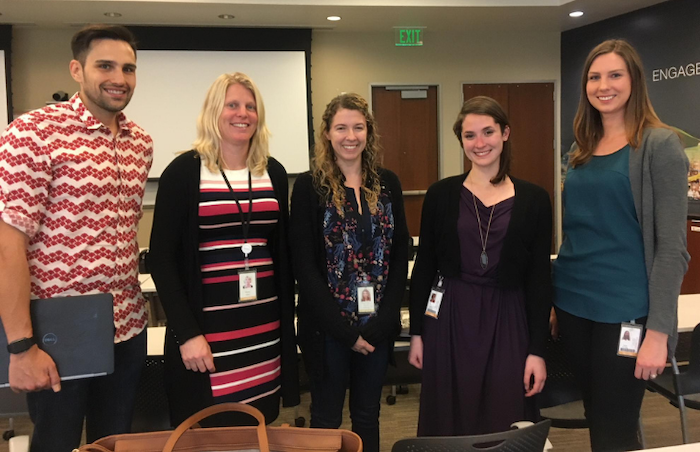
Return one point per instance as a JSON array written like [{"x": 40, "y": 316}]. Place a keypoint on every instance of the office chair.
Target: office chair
[
  {"x": 560, "y": 400},
  {"x": 682, "y": 389},
  {"x": 528, "y": 439}
]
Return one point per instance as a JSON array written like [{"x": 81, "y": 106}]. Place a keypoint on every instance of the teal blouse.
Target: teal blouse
[{"x": 600, "y": 272}]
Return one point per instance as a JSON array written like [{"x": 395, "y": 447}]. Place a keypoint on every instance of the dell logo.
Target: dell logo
[{"x": 49, "y": 339}]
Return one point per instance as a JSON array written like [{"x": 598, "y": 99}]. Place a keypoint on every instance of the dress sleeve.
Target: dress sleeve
[
  {"x": 538, "y": 277},
  {"x": 285, "y": 288},
  {"x": 170, "y": 225},
  {"x": 426, "y": 265},
  {"x": 669, "y": 176}
]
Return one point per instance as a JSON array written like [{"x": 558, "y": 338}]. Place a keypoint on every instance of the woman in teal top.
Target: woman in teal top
[{"x": 624, "y": 252}]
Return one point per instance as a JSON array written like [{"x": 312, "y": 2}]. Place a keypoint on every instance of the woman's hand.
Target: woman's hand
[
  {"x": 651, "y": 359},
  {"x": 415, "y": 353},
  {"x": 534, "y": 367},
  {"x": 362, "y": 346},
  {"x": 196, "y": 355}
]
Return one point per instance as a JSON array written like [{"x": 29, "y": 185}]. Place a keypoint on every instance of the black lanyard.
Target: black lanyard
[{"x": 245, "y": 224}]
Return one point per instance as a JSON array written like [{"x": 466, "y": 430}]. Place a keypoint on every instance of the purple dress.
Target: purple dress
[{"x": 474, "y": 352}]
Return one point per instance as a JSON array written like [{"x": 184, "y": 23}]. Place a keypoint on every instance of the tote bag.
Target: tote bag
[{"x": 230, "y": 439}]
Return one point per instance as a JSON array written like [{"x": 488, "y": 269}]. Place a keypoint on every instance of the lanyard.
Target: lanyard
[{"x": 245, "y": 224}]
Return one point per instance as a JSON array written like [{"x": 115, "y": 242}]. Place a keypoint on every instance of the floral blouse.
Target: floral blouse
[{"x": 358, "y": 248}]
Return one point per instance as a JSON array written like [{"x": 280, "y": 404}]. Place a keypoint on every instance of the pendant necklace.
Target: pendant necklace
[{"x": 484, "y": 259}]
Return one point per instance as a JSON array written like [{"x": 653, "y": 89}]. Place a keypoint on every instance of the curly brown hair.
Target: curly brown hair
[{"x": 328, "y": 179}]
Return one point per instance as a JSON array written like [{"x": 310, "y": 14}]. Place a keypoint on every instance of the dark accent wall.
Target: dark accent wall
[
  {"x": 6, "y": 45},
  {"x": 231, "y": 39},
  {"x": 665, "y": 35}
]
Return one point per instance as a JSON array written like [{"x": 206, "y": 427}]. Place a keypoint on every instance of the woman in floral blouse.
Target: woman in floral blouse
[{"x": 349, "y": 244}]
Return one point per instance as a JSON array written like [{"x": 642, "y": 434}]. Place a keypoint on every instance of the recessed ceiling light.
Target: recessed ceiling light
[
  {"x": 113, "y": 15},
  {"x": 333, "y": 18},
  {"x": 576, "y": 13},
  {"x": 226, "y": 16}
]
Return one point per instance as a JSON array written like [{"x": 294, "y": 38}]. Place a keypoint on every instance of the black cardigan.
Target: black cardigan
[
  {"x": 318, "y": 312},
  {"x": 524, "y": 261},
  {"x": 175, "y": 267}
]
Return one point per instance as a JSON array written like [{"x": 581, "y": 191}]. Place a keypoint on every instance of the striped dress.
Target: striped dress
[{"x": 244, "y": 336}]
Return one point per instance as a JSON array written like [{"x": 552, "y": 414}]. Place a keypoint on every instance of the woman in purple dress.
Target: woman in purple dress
[{"x": 481, "y": 286}]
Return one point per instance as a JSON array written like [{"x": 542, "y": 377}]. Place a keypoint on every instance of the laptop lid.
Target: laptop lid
[{"x": 77, "y": 332}]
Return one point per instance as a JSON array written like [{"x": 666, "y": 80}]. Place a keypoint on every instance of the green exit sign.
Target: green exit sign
[{"x": 409, "y": 37}]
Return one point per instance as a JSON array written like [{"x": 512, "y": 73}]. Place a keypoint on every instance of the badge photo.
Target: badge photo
[
  {"x": 247, "y": 285},
  {"x": 630, "y": 340},
  {"x": 365, "y": 299},
  {"x": 434, "y": 301}
]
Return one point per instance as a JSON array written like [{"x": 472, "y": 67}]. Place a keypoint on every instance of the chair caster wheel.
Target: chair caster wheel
[
  {"x": 7, "y": 434},
  {"x": 402, "y": 389},
  {"x": 300, "y": 421},
  {"x": 390, "y": 399}
]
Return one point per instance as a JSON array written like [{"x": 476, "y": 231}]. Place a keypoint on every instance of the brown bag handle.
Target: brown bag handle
[
  {"x": 92, "y": 447},
  {"x": 215, "y": 409}
]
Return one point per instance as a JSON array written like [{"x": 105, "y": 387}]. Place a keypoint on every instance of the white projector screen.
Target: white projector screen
[{"x": 170, "y": 90}]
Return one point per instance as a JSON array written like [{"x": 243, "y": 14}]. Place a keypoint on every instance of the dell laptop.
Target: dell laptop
[{"x": 77, "y": 332}]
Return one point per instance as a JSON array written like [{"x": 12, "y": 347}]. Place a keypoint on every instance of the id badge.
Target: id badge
[
  {"x": 630, "y": 339},
  {"x": 434, "y": 301},
  {"x": 365, "y": 298},
  {"x": 247, "y": 285}
]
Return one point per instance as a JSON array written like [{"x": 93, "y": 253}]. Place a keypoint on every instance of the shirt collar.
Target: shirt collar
[{"x": 90, "y": 121}]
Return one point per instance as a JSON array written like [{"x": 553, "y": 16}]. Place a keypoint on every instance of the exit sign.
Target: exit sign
[{"x": 409, "y": 37}]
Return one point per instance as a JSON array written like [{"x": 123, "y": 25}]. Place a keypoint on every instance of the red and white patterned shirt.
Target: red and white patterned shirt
[{"x": 76, "y": 191}]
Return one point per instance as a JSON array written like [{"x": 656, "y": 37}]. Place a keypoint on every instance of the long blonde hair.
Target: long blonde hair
[
  {"x": 639, "y": 113},
  {"x": 327, "y": 176},
  {"x": 208, "y": 142}
]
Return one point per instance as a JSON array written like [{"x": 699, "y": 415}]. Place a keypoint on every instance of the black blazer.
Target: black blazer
[
  {"x": 318, "y": 312},
  {"x": 524, "y": 261},
  {"x": 175, "y": 267}
]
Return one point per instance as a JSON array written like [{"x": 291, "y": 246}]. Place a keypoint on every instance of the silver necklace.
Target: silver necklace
[{"x": 484, "y": 259}]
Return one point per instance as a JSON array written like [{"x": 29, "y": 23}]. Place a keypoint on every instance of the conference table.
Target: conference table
[{"x": 688, "y": 312}]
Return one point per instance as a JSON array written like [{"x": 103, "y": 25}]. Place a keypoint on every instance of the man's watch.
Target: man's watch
[{"x": 21, "y": 345}]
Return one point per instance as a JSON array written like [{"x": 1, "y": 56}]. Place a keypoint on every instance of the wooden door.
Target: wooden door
[
  {"x": 530, "y": 109},
  {"x": 408, "y": 130},
  {"x": 691, "y": 282}
]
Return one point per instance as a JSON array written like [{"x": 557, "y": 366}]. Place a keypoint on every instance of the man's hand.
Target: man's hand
[
  {"x": 33, "y": 370},
  {"x": 196, "y": 355}
]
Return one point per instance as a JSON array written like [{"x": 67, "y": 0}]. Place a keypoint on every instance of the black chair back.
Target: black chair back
[
  {"x": 528, "y": 439},
  {"x": 561, "y": 386}
]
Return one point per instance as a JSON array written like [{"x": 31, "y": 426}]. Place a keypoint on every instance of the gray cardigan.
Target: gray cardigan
[
  {"x": 658, "y": 175},
  {"x": 659, "y": 179}
]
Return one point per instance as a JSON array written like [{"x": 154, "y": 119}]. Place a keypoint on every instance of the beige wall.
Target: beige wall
[
  {"x": 352, "y": 62},
  {"x": 340, "y": 62},
  {"x": 40, "y": 58}
]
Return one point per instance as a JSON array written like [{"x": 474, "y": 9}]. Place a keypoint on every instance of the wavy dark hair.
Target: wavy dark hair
[
  {"x": 486, "y": 106},
  {"x": 328, "y": 179}
]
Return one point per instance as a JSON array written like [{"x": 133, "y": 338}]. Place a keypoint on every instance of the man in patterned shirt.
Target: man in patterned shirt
[{"x": 72, "y": 178}]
